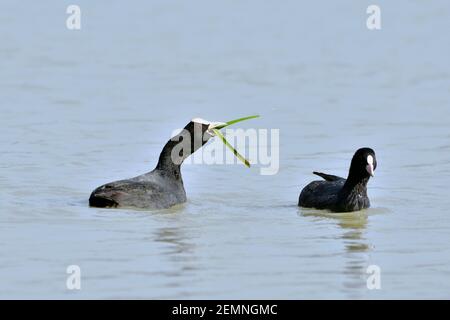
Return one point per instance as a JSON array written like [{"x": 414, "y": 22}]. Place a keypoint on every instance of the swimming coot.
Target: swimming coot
[
  {"x": 162, "y": 187},
  {"x": 342, "y": 195}
]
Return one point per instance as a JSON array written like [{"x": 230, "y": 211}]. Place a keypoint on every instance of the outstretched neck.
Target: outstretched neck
[
  {"x": 167, "y": 163},
  {"x": 180, "y": 147}
]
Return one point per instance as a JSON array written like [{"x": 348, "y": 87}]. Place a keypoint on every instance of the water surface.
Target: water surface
[{"x": 82, "y": 108}]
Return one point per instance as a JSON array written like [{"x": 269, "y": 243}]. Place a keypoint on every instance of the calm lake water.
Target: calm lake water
[{"x": 82, "y": 108}]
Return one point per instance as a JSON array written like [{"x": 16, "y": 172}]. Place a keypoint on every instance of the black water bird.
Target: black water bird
[
  {"x": 339, "y": 194},
  {"x": 162, "y": 187}
]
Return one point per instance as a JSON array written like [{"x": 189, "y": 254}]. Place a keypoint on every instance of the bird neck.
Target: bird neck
[
  {"x": 166, "y": 163},
  {"x": 180, "y": 147},
  {"x": 355, "y": 185}
]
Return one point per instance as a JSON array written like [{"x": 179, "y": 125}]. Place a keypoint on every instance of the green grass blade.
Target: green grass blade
[
  {"x": 235, "y": 152},
  {"x": 229, "y": 123}
]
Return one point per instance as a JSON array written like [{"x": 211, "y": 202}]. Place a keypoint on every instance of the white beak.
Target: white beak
[
  {"x": 211, "y": 125},
  {"x": 369, "y": 169},
  {"x": 214, "y": 125}
]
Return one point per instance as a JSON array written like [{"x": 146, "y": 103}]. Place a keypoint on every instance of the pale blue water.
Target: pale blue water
[{"x": 81, "y": 108}]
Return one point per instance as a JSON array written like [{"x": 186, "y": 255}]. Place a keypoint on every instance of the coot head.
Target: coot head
[
  {"x": 193, "y": 136},
  {"x": 200, "y": 131},
  {"x": 363, "y": 165}
]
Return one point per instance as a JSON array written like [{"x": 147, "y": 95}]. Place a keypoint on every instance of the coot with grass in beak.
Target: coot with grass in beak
[
  {"x": 162, "y": 187},
  {"x": 342, "y": 195}
]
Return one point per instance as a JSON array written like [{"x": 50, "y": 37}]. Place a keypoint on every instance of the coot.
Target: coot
[
  {"x": 162, "y": 187},
  {"x": 342, "y": 195}
]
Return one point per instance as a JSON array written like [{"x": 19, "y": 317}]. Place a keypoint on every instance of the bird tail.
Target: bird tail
[{"x": 328, "y": 177}]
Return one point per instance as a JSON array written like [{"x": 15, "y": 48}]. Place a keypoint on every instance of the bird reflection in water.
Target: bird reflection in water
[
  {"x": 179, "y": 252},
  {"x": 356, "y": 255}
]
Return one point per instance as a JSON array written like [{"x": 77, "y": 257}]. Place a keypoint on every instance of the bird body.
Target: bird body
[
  {"x": 339, "y": 194},
  {"x": 163, "y": 187},
  {"x": 153, "y": 190}
]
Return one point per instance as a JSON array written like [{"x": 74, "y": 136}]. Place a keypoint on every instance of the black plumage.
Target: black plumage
[
  {"x": 163, "y": 187},
  {"x": 339, "y": 194}
]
